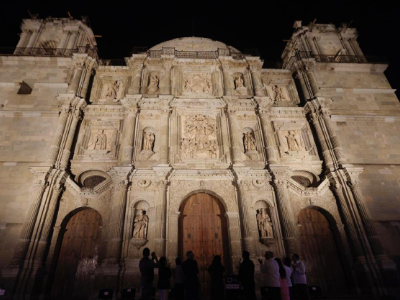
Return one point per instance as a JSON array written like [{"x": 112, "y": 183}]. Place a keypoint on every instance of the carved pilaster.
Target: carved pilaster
[
  {"x": 136, "y": 78},
  {"x": 78, "y": 68},
  {"x": 337, "y": 149},
  {"x": 321, "y": 138},
  {"x": 165, "y": 84},
  {"x": 164, "y": 136},
  {"x": 299, "y": 76},
  {"x": 89, "y": 69},
  {"x": 62, "y": 121},
  {"x": 128, "y": 132},
  {"x": 227, "y": 80},
  {"x": 237, "y": 144},
  {"x": 312, "y": 80},
  {"x": 255, "y": 70},
  {"x": 269, "y": 137}
]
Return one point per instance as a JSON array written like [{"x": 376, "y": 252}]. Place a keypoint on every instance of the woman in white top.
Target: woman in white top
[{"x": 287, "y": 265}]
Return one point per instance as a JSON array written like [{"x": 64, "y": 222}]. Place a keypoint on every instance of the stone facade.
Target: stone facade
[{"x": 195, "y": 115}]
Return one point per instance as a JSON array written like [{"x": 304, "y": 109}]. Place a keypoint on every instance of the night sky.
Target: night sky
[{"x": 261, "y": 25}]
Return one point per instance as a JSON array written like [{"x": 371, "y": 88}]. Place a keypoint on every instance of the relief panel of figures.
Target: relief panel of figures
[
  {"x": 109, "y": 89},
  {"x": 281, "y": 89}
]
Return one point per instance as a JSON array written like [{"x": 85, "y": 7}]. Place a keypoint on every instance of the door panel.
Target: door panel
[
  {"x": 320, "y": 253},
  {"x": 203, "y": 230},
  {"x": 78, "y": 256}
]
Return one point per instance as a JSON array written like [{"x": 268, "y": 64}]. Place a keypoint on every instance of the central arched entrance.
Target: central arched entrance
[
  {"x": 320, "y": 252},
  {"x": 78, "y": 256},
  {"x": 203, "y": 230}
]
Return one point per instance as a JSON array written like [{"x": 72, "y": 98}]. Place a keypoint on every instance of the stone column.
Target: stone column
[
  {"x": 312, "y": 80},
  {"x": 88, "y": 75},
  {"x": 337, "y": 149},
  {"x": 117, "y": 219},
  {"x": 269, "y": 137},
  {"x": 256, "y": 76},
  {"x": 322, "y": 141},
  {"x": 160, "y": 223},
  {"x": 286, "y": 215},
  {"x": 165, "y": 84},
  {"x": 22, "y": 41},
  {"x": 71, "y": 134},
  {"x": 73, "y": 86},
  {"x": 164, "y": 138},
  {"x": 227, "y": 80},
  {"x": 32, "y": 39},
  {"x": 35, "y": 200},
  {"x": 237, "y": 144},
  {"x": 72, "y": 40},
  {"x": 299, "y": 76},
  {"x": 136, "y": 79},
  {"x": 48, "y": 222},
  {"x": 62, "y": 121},
  {"x": 128, "y": 135}
]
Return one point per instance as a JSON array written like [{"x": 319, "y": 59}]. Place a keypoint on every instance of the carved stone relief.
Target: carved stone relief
[
  {"x": 141, "y": 224},
  {"x": 199, "y": 137},
  {"x": 100, "y": 140},
  {"x": 112, "y": 90},
  {"x": 264, "y": 223},
  {"x": 197, "y": 83},
  {"x": 249, "y": 144},
  {"x": 148, "y": 140},
  {"x": 278, "y": 93},
  {"x": 153, "y": 85}
]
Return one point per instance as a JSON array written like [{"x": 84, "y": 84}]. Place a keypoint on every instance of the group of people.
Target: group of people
[{"x": 276, "y": 277}]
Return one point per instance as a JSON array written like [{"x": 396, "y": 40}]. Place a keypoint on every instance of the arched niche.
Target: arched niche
[{"x": 92, "y": 178}]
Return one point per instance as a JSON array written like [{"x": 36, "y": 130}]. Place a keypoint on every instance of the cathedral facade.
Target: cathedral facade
[{"x": 193, "y": 145}]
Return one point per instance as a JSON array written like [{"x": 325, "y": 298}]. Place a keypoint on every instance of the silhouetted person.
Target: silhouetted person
[
  {"x": 299, "y": 278},
  {"x": 270, "y": 269},
  {"x": 190, "y": 270},
  {"x": 179, "y": 287},
  {"x": 164, "y": 275},
  {"x": 282, "y": 280},
  {"x": 246, "y": 277},
  {"x": 287, "y": 265},
  {"x": 216, "y": 271},
  {"x": 146, "y": 266}
]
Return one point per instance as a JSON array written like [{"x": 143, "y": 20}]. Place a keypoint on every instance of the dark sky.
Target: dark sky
[{"x": 245, "y": 25}]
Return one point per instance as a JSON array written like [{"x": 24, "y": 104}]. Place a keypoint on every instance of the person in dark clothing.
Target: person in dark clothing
[
  {"x": 216, "y": 271},
  {"x": 164, "y": 274},
  {"x": 246, "y": 277},
  {"x": 179, "y": 287},
  {"x": 190, "y": 270},
  {"x": 146, "y": 266}
]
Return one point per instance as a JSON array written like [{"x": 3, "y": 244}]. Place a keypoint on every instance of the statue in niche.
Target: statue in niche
[
  {"x": 249, "y": 142},
  {"x": 112, "y": 90},
  {"x": 239, "y": 84},
  {"x": 148, "y": 142},
  {"x": 293, "y": 141},
  {"x": 152, "y": 88},
  {"x": 278, "y": 93},
  {"x": 100, "y": 141},
  {"x": 140, "y": 225},
  {"x": 264, "y": 224}
]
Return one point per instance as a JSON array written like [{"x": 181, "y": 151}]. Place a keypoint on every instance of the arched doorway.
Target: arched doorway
[
  {"x": 320, "y": 253},
  {"x": 203, "y": 230},
  {"x": 78, "y": 256}
]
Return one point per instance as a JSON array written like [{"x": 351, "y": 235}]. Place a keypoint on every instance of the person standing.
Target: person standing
[
  {"x": 146, "y": 266},
  {"x": 179, "y": 287},
  {"x": 164, "y": 275},
  {"x": 270, "y": 269},
  {"x": 190, "y": 270},
  {"x": 246, "y": 277},
  {"x": 283, "y": 281},
  {"x": 287, "y": 265},
  {"x": 216, "y": 271},
  {"x": 299, "y": 278}
]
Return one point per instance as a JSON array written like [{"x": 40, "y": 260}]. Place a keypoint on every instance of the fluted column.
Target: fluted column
[
  {"x": 256, "y": 76},
  {"x": 321, "y": 138},
  {"x": 62, "y": 121},
  {"x": 303, "y": 85},
  {"x": 71, "y": 134},
  {"x": 88, "y": 75},
  {"x": 128, "y": 135},
  {"x": 72, "y": 40},
  {"x": 312, "y": 80},
  {"x": 72, "y": 88},
  {"x": 286, "y": 215},
  {"x": 269, "y": 137},
  {"x": 136, "y": 79},
  {"x": 117, "y": 219},
  {"x": 337, "y": 149},
  {"x": 48, "y": 222},
  {"x": 165, "y": 84},
  {"x": 227, "y": 80},
  {"x": 35, "y": 199}
]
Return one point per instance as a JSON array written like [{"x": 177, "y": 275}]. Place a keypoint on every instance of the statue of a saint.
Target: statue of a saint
[
  {"x": 152, "y": 88},
  {"x": 249, "y": 142},
  {"x": 264, "y": 224},
  {"x": 112, "y": 90},
  {"x": 141, "y": 223},
  {"x": 148, "y": 142},
  {"x": 100, "y": 142},
  {"x": 278, "y": 93},
  {"x": 239, "y": 84},
  {"x": 292, "y": 141}
]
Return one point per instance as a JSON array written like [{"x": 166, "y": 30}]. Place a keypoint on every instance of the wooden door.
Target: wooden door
[
  {"x": 320, "y": 253},
  {"x": 203, "y": 230},
  {"x": 78, "y": 256}
]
